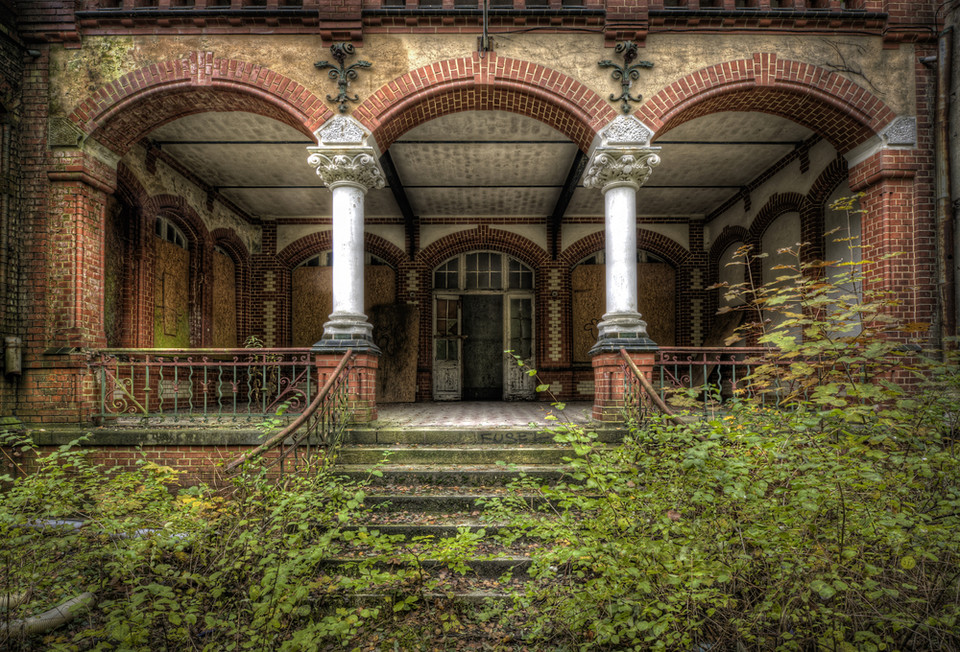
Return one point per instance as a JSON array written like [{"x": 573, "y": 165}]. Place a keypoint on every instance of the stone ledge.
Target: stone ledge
[{"x": 154, "y": 436}]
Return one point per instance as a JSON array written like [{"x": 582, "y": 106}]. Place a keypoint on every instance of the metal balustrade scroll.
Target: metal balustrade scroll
[
  {"x": 319, "y": 428},
  {"x": 202, "y": 385}
]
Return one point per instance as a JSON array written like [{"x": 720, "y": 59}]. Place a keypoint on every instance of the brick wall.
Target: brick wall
[{"x": 11, "y": 226}]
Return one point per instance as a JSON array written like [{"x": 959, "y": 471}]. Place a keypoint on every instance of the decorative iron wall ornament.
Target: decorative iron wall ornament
[
  {"x": 626, "y": 74},
  {"x": 343, "y": 74}
]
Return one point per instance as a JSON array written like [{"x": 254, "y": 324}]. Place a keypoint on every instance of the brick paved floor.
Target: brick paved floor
[{"x": 478, "y": 413}]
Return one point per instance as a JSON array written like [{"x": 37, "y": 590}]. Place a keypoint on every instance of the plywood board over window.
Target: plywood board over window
[
  {"x": 171, "y": 297},
  {"x": 224, "y": 301},
  {"x": 114, "y": 253},
  {"x": 656, "y": 301},
  {"x": 312, "y": 298}
]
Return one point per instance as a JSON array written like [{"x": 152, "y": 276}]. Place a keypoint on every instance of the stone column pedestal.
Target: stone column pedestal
[
  {"x": 611, "y": 376},
  {"x": 362, "y": 379}
]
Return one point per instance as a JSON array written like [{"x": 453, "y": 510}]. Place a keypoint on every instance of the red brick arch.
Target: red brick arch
[
  {"x": 833, "y": 106},
  {"x": 481, "y": 239},
  {"x": 120, "y": 113},
  {"x": 310, "y": 245},
  {"x": 491, "y": 83},
  {"x": 656, "y": 243}
]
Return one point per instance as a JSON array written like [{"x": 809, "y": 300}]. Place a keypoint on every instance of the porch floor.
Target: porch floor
[{"x": 472, "y": 414}]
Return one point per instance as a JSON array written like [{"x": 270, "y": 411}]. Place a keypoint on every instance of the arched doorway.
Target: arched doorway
[{"x": 483, "y": 307}]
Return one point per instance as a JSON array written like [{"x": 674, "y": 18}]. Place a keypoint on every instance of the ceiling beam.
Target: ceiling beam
[
  {"x": 410, "y": 220},
  {"x": 163, "y": 143},
  {"x": 569, "y": 186}
]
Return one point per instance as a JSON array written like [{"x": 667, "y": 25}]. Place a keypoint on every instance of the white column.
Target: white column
[
  {"x": 620, "y": 164},
  {"x": 349, "y": 167},
  {"x": 620, "y": 203},
  {"x": 348, "y": 253}
]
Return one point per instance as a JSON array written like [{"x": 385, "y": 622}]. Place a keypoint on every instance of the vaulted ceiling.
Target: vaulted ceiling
[{"x": 473, "y": 164}]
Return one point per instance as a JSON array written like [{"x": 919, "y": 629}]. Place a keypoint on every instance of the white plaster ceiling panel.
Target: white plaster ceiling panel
[
  {"x": 714, "y": 165},
  {"x": 689, "y": 201},
  {"x": 739, "y": 126},
  {"x": 586, "y": 202},
  {"x": 483, "y": 125},
  {"x": 306, "y": 202},
  {"x": 281, "y": 202},
  {"x": 247, "y": 164},
  {"x": 488, "y": 202},
  {"x": 227, "y": 126},
  {"x": 487, "y": 164},
  {"x": 379, "y": 203}
]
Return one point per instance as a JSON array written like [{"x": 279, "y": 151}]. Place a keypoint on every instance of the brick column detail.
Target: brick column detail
[
  {"x": 893, "y": 234},
  {"x": 362, "y": 390},
  {"x": 610, "y": 376}
]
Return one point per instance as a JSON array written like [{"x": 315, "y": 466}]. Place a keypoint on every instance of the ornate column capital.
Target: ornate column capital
[
  {"x": 344, "y": 155},
  {"x": 622, "y": 156}
]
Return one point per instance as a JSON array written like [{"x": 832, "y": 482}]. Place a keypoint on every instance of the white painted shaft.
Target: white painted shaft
[
  {"x": 347, "y": 248},
  {"x": 620, "y": 202}
]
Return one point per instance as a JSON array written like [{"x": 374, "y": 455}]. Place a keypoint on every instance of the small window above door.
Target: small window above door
[{"x": 482, "y": 270}]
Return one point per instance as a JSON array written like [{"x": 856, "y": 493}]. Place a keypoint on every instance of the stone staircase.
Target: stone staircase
[{"x": 431, "y": 484}]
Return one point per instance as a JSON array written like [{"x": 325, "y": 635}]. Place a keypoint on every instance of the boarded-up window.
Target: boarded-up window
[
  {"x": 224, "y": 301},
  {"x": 656, "y": 301},
  {"x": 114, "y": 255},
  {"x": 171, "y": 297},
  {"x": 312, "y": 300}
]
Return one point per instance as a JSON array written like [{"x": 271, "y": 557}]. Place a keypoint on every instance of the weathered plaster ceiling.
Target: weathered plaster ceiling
[{"x": 475, "y": 164}]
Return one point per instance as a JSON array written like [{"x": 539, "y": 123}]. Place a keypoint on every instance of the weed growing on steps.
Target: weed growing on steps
[
  {"x": 249, "y": 568},
  {"x": 760, "y": 530}
]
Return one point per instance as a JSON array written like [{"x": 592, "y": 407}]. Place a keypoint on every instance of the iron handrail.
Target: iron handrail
[
  {"x": 650, "y": 389},
  {"x": 292, "y": 428}
]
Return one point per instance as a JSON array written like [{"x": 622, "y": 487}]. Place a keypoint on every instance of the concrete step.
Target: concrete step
[
  {"x": 454, "y": 455},
  {"x": 464, "y": 436},
  {"x": 436, "y": 504},
  {"x": 445, "y": 475},
  {"x": 481, "y": 568}
]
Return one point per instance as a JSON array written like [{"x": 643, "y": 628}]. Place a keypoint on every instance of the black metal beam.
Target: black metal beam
[
  {"x": 163, "y": 143},
  {"x": 400, "y": 196},
  {"x": 569, "y": 186}
]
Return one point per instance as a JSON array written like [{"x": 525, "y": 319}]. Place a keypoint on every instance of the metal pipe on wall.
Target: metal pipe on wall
[{"x": 945, "y": 217}]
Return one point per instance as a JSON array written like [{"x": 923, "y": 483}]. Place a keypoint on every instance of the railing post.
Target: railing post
[
  {"x": 611, "y": 382},
  {"x": 362, "y": 379}
]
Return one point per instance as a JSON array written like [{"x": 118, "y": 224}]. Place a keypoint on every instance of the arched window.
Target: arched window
[{"x": 172, "y": 300}]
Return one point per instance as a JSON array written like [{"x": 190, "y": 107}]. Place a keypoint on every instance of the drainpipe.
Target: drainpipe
[{"x": 945, "y": 218}]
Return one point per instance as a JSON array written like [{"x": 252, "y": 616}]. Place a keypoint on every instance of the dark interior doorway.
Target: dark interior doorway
[{"x": 482, "y": 347}]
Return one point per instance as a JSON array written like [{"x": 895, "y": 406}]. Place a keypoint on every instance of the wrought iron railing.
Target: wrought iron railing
[
  {"x": 202, "y": 384},
  {"x": 698, "y": 379},
  {"x": 318, "y": 429}
]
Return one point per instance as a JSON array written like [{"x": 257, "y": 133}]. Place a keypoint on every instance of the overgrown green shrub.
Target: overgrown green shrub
[
  {"x": 190, "y": 569},
  {"x": 759, "y": 530}
]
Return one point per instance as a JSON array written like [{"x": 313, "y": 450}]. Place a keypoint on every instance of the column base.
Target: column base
[
  {"x": 346, "y": 331},
  {"x": 611, "y": 377},
  {"x": 626, "y": 328}
]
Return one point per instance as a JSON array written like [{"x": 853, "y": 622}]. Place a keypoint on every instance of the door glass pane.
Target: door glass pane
[{"x": 521, "y": 327}]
